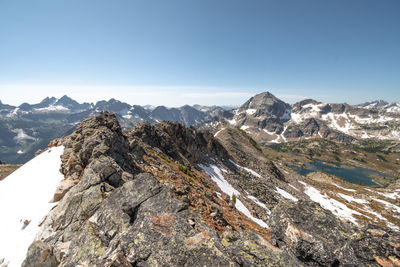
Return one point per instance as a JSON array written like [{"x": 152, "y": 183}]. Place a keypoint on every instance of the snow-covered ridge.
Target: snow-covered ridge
[
  {"x": 25, "y": 197},
  {"x": 52, "y": 108}
]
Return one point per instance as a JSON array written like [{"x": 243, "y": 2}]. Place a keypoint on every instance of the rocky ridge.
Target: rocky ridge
[
  {"x": 270, "y": 120},
  {"x": 148, "y": 196}
]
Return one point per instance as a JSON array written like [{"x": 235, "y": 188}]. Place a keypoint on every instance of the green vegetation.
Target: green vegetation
[
  {"x": 164, "y": 157},
  {"x": 374, "y": 147},
  {"x": 233, "y": 200},
  {"x": 186, "y": 170}
]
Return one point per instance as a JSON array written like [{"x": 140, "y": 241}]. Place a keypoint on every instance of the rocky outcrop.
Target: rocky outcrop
[
  {"x": 141, "y": 198},
  {"x": 318, "y": 238},
  {"x": 113, "y": 214},
  {"x": 178, "y": 141},
  {"x": 98, "y": 138},
  {"x": 40, "y": 254}
]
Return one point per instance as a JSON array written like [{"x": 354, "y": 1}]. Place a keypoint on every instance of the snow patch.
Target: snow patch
[
  {"x": 24, "y": 201},
  {"x": 388, "y": 205},
  {"x": 215, "y": 135},
  {"x": 215, "y": 173},
  {"x": 285, "y": 194},
  {"x": 334, "y": 119},
  {"x": 251, "y": 111},
  {"x": 352, "y": 199},
  {"x": 296, "y": 117},
  {"x": 242, "y": 208},
  {"x": 393, "y": 195},
  {"x": 286, "y": 114},
  {"x": 21, "y": 135},
  {"x": 270, "y": 133},
  {"x": 259, "y": 203},
  {"x": 346, "y": 189},
  {"x": 246, "y": 169},
  {"x": 51, "y": 108},
  {"x": 336, "y": 207},
  {"x": 232, "y": 122}
]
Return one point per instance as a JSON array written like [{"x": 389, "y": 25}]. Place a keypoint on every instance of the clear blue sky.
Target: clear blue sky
[{"x": 199, "y": 51}]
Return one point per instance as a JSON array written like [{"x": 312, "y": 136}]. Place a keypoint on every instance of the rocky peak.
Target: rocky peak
[
  {"x": 374, "y": 104},
  {"x": 112, "y": 105},
  {"x": 95, "y": 138},
  {"x": 48, "y": 101},
  {"x": 68, "y": 102},
  {"x": 265, "y": 104},
  {"x": 162, "y": 113}
]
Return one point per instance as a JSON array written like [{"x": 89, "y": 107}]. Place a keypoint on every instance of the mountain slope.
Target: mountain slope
[{"x": 165, "y": 194}]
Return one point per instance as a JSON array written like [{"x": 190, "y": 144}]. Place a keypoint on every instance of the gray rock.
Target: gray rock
[{"x": 315, "y": 236}]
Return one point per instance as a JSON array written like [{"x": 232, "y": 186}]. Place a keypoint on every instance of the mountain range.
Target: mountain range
[{"x": 30, "y": 127}]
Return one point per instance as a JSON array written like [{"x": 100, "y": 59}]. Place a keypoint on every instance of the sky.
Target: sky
[{"x": 176, "y": 52}]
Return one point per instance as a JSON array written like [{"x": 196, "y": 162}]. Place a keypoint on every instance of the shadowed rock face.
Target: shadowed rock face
[
  {"x": 318, "y": 238},
  {"x": 178, "y": 141}
]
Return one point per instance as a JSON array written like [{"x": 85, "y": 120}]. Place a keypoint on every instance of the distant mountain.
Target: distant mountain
[
  {"x": 374, "y": 104},
  {"x": 71, "y": 104},
  {"x": 381, "y": 105},
  {"x": 270, "y": 120},
  {"x": 29, "y": 127}
]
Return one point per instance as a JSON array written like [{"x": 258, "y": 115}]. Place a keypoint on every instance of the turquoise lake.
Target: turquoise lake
[{"x": 350, "y": 173}]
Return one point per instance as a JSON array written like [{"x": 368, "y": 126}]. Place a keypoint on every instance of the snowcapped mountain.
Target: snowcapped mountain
[
  {"x": 374, "y": 104},
  {"x": 270, "y": 120},
  {"x": 382, "y": 106},
  {"x": 30, "y": 127}
]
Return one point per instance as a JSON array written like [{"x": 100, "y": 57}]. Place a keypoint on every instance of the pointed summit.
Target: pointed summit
[
  {"x": 71, "y": 104},
  {"x": 67, "y": 102},
  {"x": 265, "y": 104}
]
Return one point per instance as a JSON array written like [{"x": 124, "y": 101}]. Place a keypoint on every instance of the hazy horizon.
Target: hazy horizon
[{"x": 238, "y": 98}]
